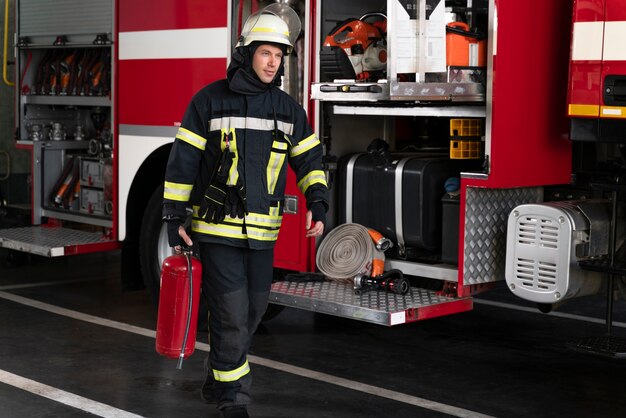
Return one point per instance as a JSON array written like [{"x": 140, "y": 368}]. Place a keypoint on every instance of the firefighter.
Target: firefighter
[{"x": 228, "y": 164}]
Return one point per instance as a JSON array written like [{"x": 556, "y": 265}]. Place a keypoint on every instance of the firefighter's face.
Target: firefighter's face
[{"x": 266, "y": 62}]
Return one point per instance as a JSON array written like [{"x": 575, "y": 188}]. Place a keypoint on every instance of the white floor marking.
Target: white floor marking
[
  {"x": 283, "y": 367},
  {"x": 54, "y": 283},
  {"x": 557, "y": 314},
  {"x": 66, "y": 398}
]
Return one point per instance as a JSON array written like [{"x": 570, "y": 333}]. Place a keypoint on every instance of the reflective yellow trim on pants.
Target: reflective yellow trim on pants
[
  {"x": 313, "y": 177},
  {"x": 191, "y": 138},
  {"x": 232, "y": 375},
  {"x": 177, "y": 191}
]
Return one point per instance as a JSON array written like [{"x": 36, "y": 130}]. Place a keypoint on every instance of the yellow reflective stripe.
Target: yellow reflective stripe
[
  {"x": 234, "y": 122},
  {"x": 583, "y": 110},
  {"x": 262, "y": 234},
  {"x": 221, "y": 230},
  {"x": 236, "y": 231},
  {"x": 177, "y": 191},
  {"x": 304, "y": 145},
  {"x": 274, "y": 165},
  {"x": 275, "y": 212},
  {"x": 268, "y": 30},
  {"x": 264, "y": 220},
  {"x": 315, "y": 176},
  {"x": 232, "y": 375},
  {"x": 191, "y": 138}
]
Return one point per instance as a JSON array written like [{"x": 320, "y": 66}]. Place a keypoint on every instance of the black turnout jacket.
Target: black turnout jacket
[{"x": 266, "y": 130}]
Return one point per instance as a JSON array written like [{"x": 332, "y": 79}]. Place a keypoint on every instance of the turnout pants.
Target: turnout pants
[{"x": 236, "y": 282}]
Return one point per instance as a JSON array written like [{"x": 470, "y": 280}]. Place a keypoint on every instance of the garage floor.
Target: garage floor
[{"x": 72, "y": 344}]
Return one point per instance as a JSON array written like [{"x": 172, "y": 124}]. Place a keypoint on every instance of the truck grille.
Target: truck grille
[{"x": 534, "y": 272}]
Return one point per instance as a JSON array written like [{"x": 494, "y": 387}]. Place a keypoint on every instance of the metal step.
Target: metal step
[
  {"x": 54, "y": 241},
  {"x": 376, "y": 306}
]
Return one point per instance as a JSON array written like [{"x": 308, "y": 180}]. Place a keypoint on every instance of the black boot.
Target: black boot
[{"x": 237, "y": 411}]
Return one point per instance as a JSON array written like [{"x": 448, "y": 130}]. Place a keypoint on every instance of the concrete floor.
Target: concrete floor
[{"x": 73, "y": 344}]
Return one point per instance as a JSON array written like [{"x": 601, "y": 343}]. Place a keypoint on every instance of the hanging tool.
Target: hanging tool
[{"x": 356, "y": 49}]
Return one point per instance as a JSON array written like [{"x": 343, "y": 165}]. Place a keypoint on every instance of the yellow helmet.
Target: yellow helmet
[{"x": 276, "y": 23}]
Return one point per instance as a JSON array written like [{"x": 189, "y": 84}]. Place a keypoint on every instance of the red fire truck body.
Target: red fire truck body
[{"x": 111, "y": 143}]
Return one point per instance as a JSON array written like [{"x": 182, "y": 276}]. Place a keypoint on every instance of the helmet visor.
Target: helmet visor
[
  {"x": 289, "y": 16},
  {"x": 283, "y": 12}
]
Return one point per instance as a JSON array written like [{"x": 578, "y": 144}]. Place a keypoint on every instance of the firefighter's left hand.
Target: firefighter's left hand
[{"x": 314, "y": 230}]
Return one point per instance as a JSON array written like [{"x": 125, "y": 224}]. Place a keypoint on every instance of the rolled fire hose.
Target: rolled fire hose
[{"x": 348, "y": 251}]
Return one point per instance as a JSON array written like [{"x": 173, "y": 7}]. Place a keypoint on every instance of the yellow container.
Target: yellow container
[
  {"x": 464, "y": 150},
  {"x": 465, "y": 127}
]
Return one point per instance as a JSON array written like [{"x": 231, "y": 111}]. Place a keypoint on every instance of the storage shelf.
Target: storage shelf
[
  {"x": 442, "y": 111},
  {"x": 76, "y": 216},
  {"x": 68, "y": 100}
]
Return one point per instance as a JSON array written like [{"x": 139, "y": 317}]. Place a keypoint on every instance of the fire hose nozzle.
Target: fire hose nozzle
[
  {"x": 391, "y": 281},
  {"x": 382, "y": 243}
]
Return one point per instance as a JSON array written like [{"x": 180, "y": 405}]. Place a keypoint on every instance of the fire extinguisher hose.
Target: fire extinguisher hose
[
  {"x": 179, "y": 365},
  {"x": 347, "y": 251}
]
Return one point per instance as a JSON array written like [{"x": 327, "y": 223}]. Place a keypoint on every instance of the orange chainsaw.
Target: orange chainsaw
[{"x": 356, "y": 49}]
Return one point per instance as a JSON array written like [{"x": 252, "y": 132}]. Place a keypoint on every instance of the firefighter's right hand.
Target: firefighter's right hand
[
  {"x": 185, "y": 237},
  {"x": 173, "y": 235},
  {"x": 212, "y": 205}
]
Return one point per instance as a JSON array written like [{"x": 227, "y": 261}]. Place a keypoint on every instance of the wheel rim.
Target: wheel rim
[{"x": 163, "y": 249}]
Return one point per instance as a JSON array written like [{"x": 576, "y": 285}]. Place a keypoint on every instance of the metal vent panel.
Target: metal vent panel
[
  {"x": 538, "y": 236},
  {"x": 64, "y": 17},
  {"x": 486, "y": 216}
]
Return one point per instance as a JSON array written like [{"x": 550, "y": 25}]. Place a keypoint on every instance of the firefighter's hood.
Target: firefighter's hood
[{"x": 241, "y": 76}]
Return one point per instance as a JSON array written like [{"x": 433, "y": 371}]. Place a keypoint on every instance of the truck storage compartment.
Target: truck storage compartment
[
  {"x": 431, "y": 51},
  {"x": 401, "y": 200}
]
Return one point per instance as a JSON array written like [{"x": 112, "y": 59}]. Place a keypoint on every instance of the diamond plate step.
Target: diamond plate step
[
  {"x": 53, "y": 241},
  {"x": 378, "y": 307}
]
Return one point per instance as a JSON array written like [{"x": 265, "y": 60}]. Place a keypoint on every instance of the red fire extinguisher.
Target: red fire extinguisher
[{"x": 179, "y": 299}]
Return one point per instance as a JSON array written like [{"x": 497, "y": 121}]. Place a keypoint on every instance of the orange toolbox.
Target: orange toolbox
[{"x": 464, "y": 48}]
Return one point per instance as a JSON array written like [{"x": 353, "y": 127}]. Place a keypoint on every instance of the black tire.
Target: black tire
[{"x": 153, "y": 246}]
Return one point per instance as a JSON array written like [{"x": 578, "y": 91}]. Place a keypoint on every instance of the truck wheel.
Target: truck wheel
[{"x": 153, "y": 246}]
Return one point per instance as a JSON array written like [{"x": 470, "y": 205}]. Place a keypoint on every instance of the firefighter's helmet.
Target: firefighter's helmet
[{"x": 276, "y": 23}]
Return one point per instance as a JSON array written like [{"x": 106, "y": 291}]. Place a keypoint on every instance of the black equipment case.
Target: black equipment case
[{"x": 401, "y": 199}]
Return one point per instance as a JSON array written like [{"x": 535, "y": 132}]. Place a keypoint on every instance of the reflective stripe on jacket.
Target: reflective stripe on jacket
[{"x": 264, "y": 131}]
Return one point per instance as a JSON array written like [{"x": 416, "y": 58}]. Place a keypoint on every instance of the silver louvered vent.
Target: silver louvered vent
[
  {"x": 542, "y": 240},
  {"x": 534, "y": 273}
]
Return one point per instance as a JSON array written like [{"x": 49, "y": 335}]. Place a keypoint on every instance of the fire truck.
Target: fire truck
[{"x": 482, "y": 138}]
